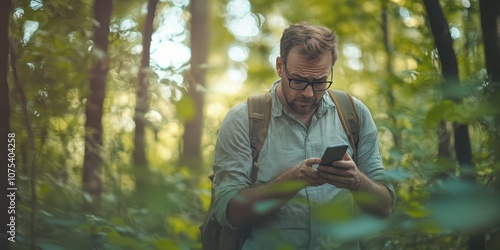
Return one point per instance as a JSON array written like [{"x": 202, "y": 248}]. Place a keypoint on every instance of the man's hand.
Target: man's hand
[
  {"x": 343, "y": 174},
  {"x": 242, "y": 211},
  {"x": 305, "y": 172}
]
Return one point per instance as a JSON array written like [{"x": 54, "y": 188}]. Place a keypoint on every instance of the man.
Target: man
[{"x": 291, "y": 202}]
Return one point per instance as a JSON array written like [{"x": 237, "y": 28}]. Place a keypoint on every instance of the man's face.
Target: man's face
[{"x": 303, "y": 102}]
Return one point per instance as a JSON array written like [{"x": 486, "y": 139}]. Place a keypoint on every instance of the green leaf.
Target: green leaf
[
  {"x": 339, "y": 209},
  {"x": 428, "y": 227},
  {"x": 264, "y": 206},
  {"x": 398, "y": 174},
  {"x": 117, "y": 221},
  {"x": 185, "y": 107},
  {"x": 166, "y": 244},
  {"x": 43, "y": 189},
  {"x": 116, "y": 239},
  {"x": 50, "y": 246},
  {"x": 62, "y": 222},
  {"x": 358, "y": 228},
  {"x": 444, "y": 110},
  {"x": 417, "y": 211},
  {"x": 467, "y": 213},
  {"x": 288, "y": 186}
]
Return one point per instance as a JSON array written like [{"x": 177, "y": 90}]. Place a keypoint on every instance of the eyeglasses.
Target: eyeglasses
[{"x": 298, "y": 84}]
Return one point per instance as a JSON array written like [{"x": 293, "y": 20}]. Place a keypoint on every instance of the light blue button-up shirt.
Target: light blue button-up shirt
[{"x": 305, "y": 222}]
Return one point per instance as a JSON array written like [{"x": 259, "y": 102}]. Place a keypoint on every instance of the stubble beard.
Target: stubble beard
[{"x": 300, "y": 109}]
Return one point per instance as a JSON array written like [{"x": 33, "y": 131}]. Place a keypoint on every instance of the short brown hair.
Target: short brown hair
[{"x": 312, "y": 40}]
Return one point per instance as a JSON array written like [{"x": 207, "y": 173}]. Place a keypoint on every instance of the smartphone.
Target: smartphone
[{"x": 333, "y": 153}]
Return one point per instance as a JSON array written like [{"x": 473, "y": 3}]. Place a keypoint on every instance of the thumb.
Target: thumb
[{"x": 347, "y": 157}]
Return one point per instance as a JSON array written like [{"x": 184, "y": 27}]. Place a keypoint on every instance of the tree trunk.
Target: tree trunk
[
  {"x": 92, "y": 161},
  {"x": 4, "y": 123},
  {"x": 442, "y": 38},
  {"x": 444, "y": 142},
  {"x": 390, "y": 75},
  {"x": 490, "y": 25},
  {"x": 463, "y": 152},
  {"x": 141, "y": 107},
  {"x": 31, "y": 141},
  {"x": 191, "y": 151}
]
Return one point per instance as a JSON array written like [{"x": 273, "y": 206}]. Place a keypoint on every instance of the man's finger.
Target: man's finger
[{"x": 312, "y": 161}]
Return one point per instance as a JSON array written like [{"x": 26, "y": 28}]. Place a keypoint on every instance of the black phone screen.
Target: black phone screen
[{"x": 333, "y": 153}]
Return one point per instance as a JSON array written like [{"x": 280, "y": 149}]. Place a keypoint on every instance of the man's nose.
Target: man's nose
[{"x": 308, "y": 91}]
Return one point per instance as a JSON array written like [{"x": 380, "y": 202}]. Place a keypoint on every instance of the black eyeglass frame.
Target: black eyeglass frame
[{"x": 308, "y": 82}]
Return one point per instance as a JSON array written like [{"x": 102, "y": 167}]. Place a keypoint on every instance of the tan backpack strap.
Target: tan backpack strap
[
  {"x": 259, "y": 113},
  {"x": 348, "y": 115}
]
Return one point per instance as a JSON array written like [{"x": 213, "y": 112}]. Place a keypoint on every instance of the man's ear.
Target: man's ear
[{"x": 279, "y": 66}]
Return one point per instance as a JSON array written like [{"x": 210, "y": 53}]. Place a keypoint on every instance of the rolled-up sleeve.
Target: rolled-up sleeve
[
  {"x": 369, "y": 159},
  {"x": 232, "y": 160}
]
